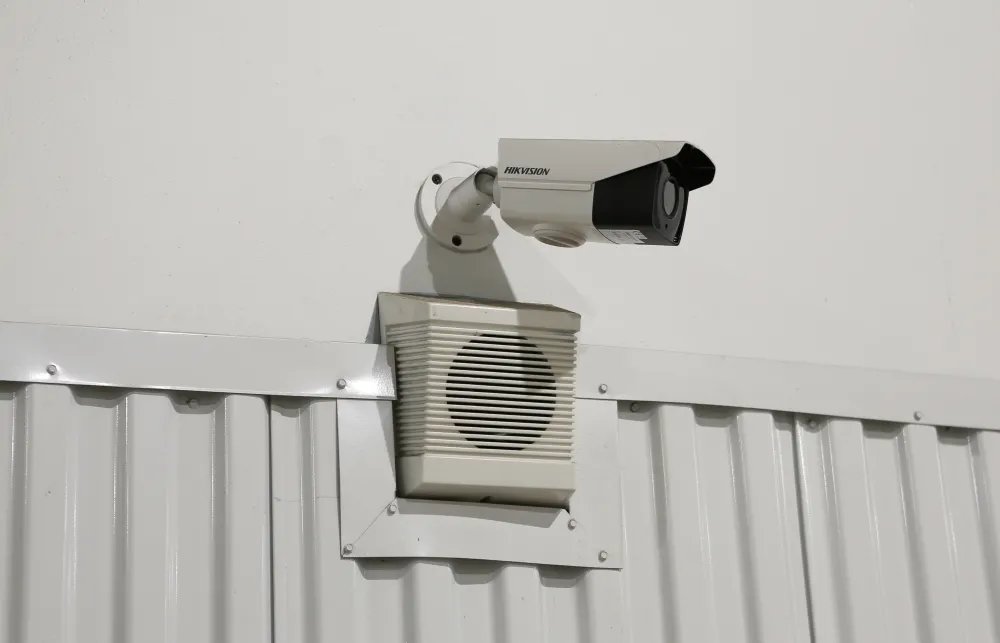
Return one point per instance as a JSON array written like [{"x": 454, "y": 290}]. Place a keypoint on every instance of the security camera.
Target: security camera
[{"x": 567, "y": 192}]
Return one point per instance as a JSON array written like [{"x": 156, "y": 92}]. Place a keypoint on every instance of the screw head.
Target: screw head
[
  {"x": 603, "y": 388},
  {"x": 341, "y": 384},
  {"x": 917, "y": 415},
  {"x": 603, "y": 556},
  {"x": 51, "y": 369},
  {"x": 634, "y": 407},
  {"x": 813, "y": 424},
  {"x": 348, "y": 549},
  {"x": 192, "y": 403},
  {"x": 392, "y": 509},
  {"x": 572, "y": 524},
  {"x": 436, "y": 179}
]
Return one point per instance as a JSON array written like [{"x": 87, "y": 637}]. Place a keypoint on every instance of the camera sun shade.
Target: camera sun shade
[{"x": 648, "y": 205}]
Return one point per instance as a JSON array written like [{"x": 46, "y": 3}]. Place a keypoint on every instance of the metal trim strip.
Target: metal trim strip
[
  {"x": 833, "y": 391},
  {"x": 137, "y": 359}
]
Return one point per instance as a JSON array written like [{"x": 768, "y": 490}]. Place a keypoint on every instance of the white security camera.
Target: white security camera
[{"x": 567, "y": 192}]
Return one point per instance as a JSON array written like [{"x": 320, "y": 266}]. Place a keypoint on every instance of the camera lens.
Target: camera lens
[{"x": 670, "y": 198}]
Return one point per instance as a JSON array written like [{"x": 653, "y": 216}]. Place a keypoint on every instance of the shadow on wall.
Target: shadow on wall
[{"x": 434, "y": 269}]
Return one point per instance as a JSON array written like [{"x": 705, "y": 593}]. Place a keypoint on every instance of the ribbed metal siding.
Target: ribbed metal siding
[
  {"x": 321, "y": 597},
  {"x": 898, "y": 525},
  {"x": 712, "y": 527},
  {"x": 712, "y": 532},
  {"x": 901, "y": 531},
  {"x": 132, "y": 516}
]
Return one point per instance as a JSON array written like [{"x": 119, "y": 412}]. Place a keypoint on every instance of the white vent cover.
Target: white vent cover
[{"x": 485, "y": 398}]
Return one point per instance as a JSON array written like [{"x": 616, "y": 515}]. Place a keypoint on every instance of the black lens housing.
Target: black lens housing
[{"x": 648, "y": 205}]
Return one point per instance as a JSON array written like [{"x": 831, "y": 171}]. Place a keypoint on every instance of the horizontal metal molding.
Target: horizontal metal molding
[
  {"x": 630, "y": 374},
  {"x": 136, "y": 359},
  {"x": 179, "y": 361}
]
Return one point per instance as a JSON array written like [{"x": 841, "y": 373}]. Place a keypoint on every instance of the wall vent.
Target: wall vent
[{"x": 485, "y": 398}]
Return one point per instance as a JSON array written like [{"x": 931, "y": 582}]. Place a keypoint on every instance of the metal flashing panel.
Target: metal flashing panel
[
  {"x": 140, "y": 359},
  {"x": 134, "y": 359},
  {"x": 375, "y": 523},
  {"x": 133, "y": 516},
  {"x": 634, "y": 374}
]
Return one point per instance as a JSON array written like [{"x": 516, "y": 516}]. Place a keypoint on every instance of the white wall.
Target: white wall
[{"x": 250, "y": 167}]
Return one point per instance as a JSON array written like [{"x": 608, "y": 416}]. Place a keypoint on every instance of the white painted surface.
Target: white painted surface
[
  {"x": 251, "y": 168},
  {"x": 131, "y": 516}
]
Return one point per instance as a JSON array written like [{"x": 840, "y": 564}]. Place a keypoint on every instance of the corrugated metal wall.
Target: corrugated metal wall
[
  {"x": 138, "y": 517},
  {"x": 321, "y": 597},
  {"x": 901, "y": 531},
  {"x": 898, "y": 525},
  {"x": 133, "y": 516},
  {"x": 712, "y": 528}
]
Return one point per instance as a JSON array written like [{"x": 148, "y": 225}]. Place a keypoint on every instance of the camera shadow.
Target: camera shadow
[{"x": 435, "y": 270}]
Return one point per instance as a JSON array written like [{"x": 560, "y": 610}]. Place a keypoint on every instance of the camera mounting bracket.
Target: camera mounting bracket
[{"x": 450, "y": 208}]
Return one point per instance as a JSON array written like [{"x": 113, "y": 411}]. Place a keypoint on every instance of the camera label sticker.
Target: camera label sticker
[{"x": 624, "y": 236}]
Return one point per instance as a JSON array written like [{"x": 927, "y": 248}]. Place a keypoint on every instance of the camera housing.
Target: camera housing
[{"x": 568, "y": 192}]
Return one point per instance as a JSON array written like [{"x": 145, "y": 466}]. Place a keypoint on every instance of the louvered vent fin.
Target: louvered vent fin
[{"x": 485, "y": 398}]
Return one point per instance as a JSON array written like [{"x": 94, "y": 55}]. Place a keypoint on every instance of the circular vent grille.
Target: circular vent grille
[{"x": 501, "y": 391}]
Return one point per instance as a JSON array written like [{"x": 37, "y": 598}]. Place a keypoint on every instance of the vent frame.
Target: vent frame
[{"x": 485, "y": 380}]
